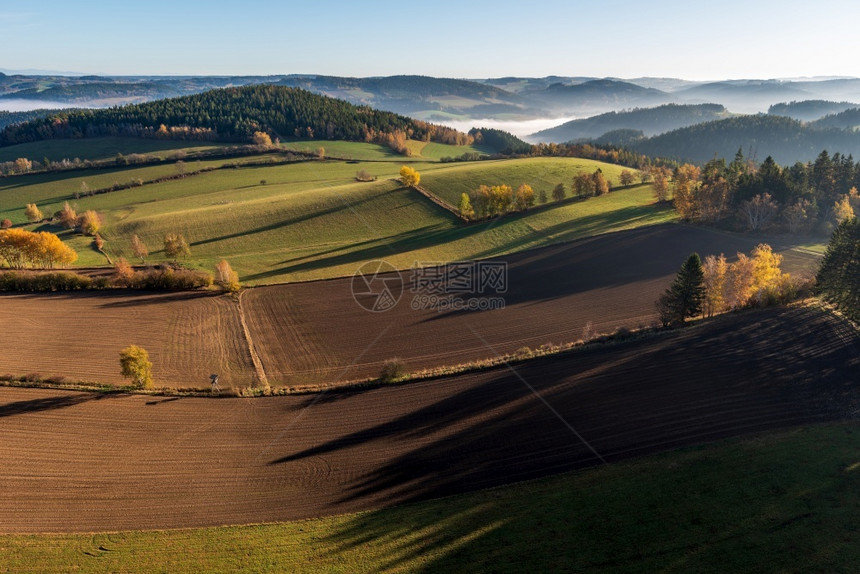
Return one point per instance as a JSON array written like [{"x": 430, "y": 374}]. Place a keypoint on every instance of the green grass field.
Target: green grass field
[
  {"x": 99, "y": 148},
  {"x": 542, "y": 173},
  {"x": 421, "y": 151},
  {"x": 781, "y": 502},
  {"x": 312, "y": 220}
]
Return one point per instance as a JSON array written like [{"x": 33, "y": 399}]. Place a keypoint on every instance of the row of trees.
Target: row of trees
[
  {"x": 20, "y": 248},
  {"x": 491, "y": 201},
  {"x": 716, "y": 285},
  {"x": 799, "y": 198}
]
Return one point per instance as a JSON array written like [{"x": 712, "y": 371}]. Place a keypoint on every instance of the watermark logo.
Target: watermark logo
[
  {"x": 454, "y": 286},
  {"x": 377, "y": 286}
]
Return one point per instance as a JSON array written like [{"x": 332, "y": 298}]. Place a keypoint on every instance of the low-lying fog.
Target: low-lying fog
[
  {"x": 14, "y": 105},
  {"x": 520, "y": 128}
]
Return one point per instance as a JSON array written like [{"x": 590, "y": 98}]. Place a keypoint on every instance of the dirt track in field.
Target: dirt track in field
[
  {"x": 88, "y": 462},
  {"x": 315, "y": 332}
]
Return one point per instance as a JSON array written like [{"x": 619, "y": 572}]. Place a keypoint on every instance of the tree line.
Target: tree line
[
  {"x": 803, "y": 197},
  {"x": 716, "y": 286}
]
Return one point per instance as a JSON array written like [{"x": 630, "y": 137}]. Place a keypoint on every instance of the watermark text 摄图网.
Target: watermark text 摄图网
[{"x": 455, "y": 286}]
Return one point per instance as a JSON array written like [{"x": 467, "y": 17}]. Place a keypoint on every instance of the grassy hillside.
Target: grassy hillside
[
  {"x": 312, "y": 220},
  {"x": 542, "y": 173},
  {"x": 780, "y": 502}
]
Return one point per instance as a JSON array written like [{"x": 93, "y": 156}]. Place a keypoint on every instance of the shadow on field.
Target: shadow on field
[
  {"x": 132, "y": 298},
  {"x": 736, "y": 375},
  {"x": 49, "y": 403}
]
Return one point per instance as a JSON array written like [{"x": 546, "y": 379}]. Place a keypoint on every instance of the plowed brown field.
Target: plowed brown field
[
  {"x": 79, "y": 336},
  {"x": 87, "y": 462},
  {"x": 315, "y": 332}
]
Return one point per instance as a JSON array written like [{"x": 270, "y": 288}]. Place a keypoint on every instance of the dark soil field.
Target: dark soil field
[
  {"x": 315, "y": 332},
  {"x": 92, "y": 462},
  {"x": 79, "y": 336}
]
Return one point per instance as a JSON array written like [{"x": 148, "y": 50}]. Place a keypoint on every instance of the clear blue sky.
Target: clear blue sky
[{"x": 464, "y": 38}]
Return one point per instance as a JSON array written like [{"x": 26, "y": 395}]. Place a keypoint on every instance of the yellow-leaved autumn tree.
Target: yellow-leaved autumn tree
[
  {"x": 225, "y": 277},
  {"x": 715, "y": 270},
  {"x": 409, "y": 177},
  {"x": 686, "y": 180},
  {"x": 262, "y": 138},
  {"x": 20, "y": 248},
  {"x": 753, "y": 279},
  {"x": 525, "y": 197}
]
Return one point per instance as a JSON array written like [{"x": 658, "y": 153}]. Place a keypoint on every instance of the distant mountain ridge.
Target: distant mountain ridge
[
  {"x": 785, "y": 139},
  {"x": 426, "y": 97},
  {"x": 648, "y": 121}
]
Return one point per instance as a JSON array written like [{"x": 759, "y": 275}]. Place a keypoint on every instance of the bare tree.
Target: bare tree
[{"x": 759, "y": 211}]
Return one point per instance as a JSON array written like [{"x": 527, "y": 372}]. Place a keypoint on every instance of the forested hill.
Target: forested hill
[
  {"x": 809, "y": 110},
  {"x": 650, "y": 121},
  {"x": 233, "y": 114},
  {"x": 785, "y": 139}
]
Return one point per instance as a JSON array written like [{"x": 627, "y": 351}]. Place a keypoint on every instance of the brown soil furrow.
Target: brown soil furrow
[{"x": 93, "y": 462}]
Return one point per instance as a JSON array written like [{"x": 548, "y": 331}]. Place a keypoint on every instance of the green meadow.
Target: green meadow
[{"x": 313, "y": 220}]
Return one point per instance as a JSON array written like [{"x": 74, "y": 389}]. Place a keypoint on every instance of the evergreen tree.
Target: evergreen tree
[
  {"x": 838, "y": 278},
  {"x": 687, "y": 293}
]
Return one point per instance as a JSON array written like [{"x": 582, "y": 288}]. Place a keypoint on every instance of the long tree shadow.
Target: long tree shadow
[
  {"x": 607, "y": 403},
  {"x": 49, "y": 403}
]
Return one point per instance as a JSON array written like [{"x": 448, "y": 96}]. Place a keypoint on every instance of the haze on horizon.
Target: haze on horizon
[{"x": 479, "y": 39}]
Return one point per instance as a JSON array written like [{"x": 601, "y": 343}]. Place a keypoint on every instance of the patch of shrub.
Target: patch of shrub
[
  {"x": 392, "y": 370},
  {"x": 28, "y": 281},
  {"x": 32, "y": 377},
  {"x": 168, "y": 279}
]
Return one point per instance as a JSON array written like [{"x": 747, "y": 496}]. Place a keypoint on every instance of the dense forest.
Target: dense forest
[
  {"x": 650, "y": 121},
  {"x": 785, "y": 139},
  {"x": 504, "y": 142},
  {"x": 847, "y": 119},
  {"x": 235, "y": 114}
]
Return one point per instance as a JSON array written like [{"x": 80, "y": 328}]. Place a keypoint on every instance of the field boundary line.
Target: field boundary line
[
  {"x": 255, "y": 358},
  {"x": 438, "y": 201}
]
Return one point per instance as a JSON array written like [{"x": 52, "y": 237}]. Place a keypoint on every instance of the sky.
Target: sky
[{"x": 693, "y": 40}]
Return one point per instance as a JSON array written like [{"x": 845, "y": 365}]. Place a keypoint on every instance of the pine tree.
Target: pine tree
[
  {"x": 687, "y": 292},
  {"x": 838, "y": 278}
]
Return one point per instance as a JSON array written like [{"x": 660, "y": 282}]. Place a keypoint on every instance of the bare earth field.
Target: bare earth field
[
  {"x": 315, "y": 333},
  {"x": 79, "y": 336},
  {"x": 91, "y": 462}
]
